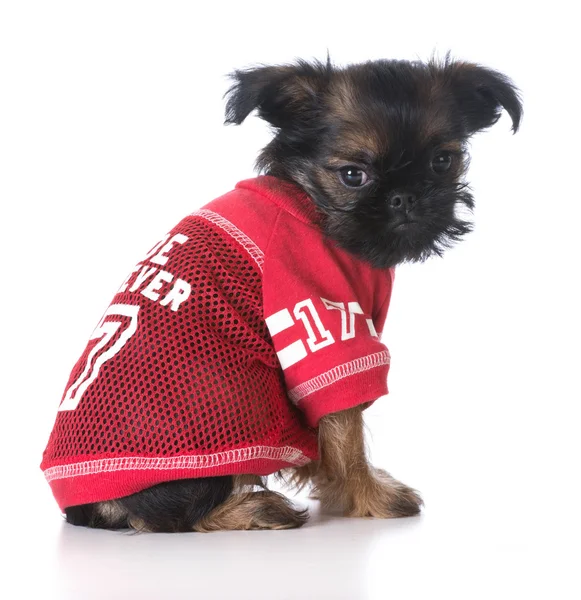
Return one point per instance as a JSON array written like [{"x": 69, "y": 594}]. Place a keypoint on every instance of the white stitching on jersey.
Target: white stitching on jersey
[
  {"x": 340, "y": 372},
  {"x": 137, "y": 463},
  {"x": 255, "y": 252}
]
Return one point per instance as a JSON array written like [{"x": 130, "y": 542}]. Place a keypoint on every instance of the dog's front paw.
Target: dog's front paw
[{"x": 380, "y": 495}]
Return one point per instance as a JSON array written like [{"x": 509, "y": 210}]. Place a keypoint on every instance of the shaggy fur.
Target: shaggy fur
[
  {"x": 344, "y": 481},
  {"x": 389, "y": 119},
  {"x": 381, "y": 149},
  {"x": 172, "y": 506},
  {"x": 253, "y": 510}
]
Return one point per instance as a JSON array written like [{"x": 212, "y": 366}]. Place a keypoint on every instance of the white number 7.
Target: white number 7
[
  {"x": 353, "y": 308},
  {"x": 104, "y": 330}
]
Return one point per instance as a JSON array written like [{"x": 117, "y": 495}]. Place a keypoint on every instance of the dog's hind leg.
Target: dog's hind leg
[
  {"x": 168, "y": 507},
  {"x": 253, "y": 510}
]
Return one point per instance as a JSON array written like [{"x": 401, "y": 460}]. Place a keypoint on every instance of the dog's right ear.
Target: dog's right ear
[{"x": 285, "y": 96}]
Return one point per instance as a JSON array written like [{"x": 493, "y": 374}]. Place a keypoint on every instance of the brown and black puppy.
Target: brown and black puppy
[{"x": 380, "y": 148}]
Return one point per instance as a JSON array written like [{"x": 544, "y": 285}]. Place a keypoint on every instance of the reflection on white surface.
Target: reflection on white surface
[
  {"x": 478, "y": 550},
  {"x": 329, "y": 555}
]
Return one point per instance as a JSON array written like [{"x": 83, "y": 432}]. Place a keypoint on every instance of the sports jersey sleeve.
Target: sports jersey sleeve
[
  {"x": 324, "y": 310},
  {"x": 382, "y": 300}
]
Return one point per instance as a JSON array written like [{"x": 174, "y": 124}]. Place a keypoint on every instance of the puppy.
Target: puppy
[{"x": 247, "y": 341}]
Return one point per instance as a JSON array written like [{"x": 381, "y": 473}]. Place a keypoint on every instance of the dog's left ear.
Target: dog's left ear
[{"x": 481, "y": 94}]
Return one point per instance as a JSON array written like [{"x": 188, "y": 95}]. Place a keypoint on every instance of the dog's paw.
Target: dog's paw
[{"x": 383, "y": 497}]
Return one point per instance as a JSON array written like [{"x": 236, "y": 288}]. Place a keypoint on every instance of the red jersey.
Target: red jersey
[{"x": 221, "y": 351}]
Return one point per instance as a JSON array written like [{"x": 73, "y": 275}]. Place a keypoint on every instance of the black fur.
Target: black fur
[
  {"x": 172, "y": 506},
  {"x": 402, "y": 113},
  {"x": 286, "y": 97},
  {"x": 387, "y": 118},
  {"x": 87, "y": 515}
]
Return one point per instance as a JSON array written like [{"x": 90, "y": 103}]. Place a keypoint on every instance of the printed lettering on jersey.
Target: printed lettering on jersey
[
  {"x": 322, "y": 328},
  {"x": 156, "y": 284},
  {"x": 120, "y": 321}
]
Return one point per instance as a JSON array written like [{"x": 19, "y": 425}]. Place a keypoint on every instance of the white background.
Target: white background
[{"x": 111, "y": 131}]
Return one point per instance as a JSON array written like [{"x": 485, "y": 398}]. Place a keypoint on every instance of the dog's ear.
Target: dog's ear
[
  {"x": 283, "y": 95},
  {"x": 481, "y": 94}
]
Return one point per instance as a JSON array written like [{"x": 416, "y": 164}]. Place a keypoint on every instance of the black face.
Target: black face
[{"x": 380, "y": 147}]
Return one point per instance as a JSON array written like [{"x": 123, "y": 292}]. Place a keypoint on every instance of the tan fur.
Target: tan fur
[
  {"x": 111, "y": 511},
  {"x": 297, "y": 89},
  {"x": 453, "y": 146},
  {"x": 139, "y": 526},
  {"x": 329, "y": 181},
  {"x": 360, "y": 139},
  {"x": 344, "y": 480},
  {"x": 343, "y": 96},
  {"x": 298, "y": 478},
  {"x": 248, "y": 482},
  {"x": 357, "y": 135},
  {"x": 253, "y": 510},
  {"x": 435, "y": 121}
]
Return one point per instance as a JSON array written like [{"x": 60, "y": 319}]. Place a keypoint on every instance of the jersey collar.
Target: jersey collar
[{"x": 288, "y": 196}]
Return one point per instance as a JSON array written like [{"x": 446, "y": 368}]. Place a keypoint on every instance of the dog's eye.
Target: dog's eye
[
  {"x": 441, "y": 162},
  {"x": 353, "y": 177}
]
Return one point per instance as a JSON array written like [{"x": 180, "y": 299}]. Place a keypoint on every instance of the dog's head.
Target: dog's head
[{"x": 380, "y": 147}]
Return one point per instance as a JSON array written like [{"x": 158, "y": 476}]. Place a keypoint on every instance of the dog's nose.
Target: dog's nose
[{"x": 402, "y": 200}]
